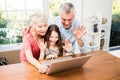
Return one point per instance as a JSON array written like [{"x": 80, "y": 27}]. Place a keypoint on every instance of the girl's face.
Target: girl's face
[
  {"x": 41, "y": 28},
  {"x": 53, "y": 38}
]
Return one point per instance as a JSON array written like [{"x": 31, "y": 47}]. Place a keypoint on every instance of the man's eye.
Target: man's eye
[
  {"x": 69, "y": 19},
  {"x": 63, "y": 19}
]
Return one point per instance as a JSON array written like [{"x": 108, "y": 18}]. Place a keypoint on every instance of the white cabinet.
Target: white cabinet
[
  {"x": 97, "y": 38},
  {"x": 105, "y": 36},
  {"x": 93, "y": 34}
]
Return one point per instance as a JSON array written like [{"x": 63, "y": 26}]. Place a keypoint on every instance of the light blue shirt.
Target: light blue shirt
[{"x": 67, "y": 33}]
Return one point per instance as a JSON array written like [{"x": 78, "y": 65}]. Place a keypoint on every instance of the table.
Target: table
[{"x": 101, "y": 66}]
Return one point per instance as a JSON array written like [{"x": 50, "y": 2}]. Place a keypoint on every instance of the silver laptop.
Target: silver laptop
[{"x": 65, "y": 63}]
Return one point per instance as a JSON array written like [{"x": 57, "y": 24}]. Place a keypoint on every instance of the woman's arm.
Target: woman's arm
[{"x": 35, "y": 62}]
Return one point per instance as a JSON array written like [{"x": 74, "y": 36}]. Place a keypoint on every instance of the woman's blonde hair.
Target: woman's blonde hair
[{"x": 37, "y": 17}]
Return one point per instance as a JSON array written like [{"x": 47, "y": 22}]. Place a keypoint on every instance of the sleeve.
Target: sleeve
[
  {"x": 84, "y": 47},
  {"x": 47, "y": 52},
  {"x": 26, "y": 43}
]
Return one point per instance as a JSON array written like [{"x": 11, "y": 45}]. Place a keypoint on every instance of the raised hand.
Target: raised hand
[
  {"x": 68, "y": 45},
  {"x": 78, "y": 33},
  {"x": 42, "y": 47}
]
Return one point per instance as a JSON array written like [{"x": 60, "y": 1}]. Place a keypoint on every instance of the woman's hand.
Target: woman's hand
[
  {"x": 42, "y": 47},
  {"x": 43, "y": 68},
  {"x": 25, "y": 30},
  {"x": 51, "y": 56}
]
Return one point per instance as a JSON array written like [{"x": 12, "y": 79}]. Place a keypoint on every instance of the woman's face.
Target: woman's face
[
  {"x": 41, "y": 28},
  {"x": 53, "y": 38}
]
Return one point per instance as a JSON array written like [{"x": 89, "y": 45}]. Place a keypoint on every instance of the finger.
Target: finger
[
  {"x": 83, "y": 28},
  {"x": 45, "y": 44},
  {"x": 42, "y": 69},
  {"x": 79, "y": 27},
  {"x": 73, "y": 30},
  {"x": 63, "y": 47},
  {"x": 67, "y": 41},
  {"x": 27, "y": 29},
  {"x": 84, "y": 32}
]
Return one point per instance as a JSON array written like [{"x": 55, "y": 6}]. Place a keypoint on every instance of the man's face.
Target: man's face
[{"x": 67, "y": 19}]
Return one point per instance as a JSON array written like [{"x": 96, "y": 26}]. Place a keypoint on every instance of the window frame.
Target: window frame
[{"x": 17, "y": 46}]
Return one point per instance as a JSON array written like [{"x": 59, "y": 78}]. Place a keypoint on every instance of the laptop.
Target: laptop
[{"x": 65, "y": 63}]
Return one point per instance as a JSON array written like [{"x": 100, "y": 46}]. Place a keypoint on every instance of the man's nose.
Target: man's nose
[{"x": 66, "y": 22}]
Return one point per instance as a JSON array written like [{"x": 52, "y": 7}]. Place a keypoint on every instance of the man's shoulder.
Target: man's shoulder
[
  {"x": 55, "y": 20},
  {"x": 76, "y": 22}
]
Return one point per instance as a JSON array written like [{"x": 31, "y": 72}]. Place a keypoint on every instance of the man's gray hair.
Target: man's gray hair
[
  {"x": 67, "y": 7},
  {"x": 37, "y": 17}
]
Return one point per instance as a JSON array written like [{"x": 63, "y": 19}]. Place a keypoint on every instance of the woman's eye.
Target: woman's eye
[{"x": 39, "y": 26}]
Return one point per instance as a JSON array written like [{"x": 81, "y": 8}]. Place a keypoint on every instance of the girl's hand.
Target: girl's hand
[
  {"x": 51, "y": 56},
  {"x": 68, "y": 45}
]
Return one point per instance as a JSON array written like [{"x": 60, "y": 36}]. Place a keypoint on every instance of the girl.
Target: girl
[{"x": 54, "y": 43}]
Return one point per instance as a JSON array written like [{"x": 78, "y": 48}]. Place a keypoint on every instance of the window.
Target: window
[
  {"x": 115, "y": 28},
  {"x": 54, "y": 7},
  {"x": 13, "y": 17}
]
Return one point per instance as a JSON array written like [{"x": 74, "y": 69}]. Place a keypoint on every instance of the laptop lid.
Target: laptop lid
[{"x": 67, "y": 64}]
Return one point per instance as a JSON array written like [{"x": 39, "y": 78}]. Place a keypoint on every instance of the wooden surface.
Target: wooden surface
[{"x": 101, "y": 66}]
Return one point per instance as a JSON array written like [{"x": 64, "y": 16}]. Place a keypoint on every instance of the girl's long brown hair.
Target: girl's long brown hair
[{"x": 55, "y": 28}]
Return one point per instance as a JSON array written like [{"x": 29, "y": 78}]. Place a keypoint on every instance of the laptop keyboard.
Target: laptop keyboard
[{"x": 49, "y": 62}]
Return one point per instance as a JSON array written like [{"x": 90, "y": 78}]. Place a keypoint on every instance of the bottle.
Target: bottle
[{"x": 95, "y": 29}]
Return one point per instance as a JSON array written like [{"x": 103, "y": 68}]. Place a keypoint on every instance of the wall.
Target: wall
[
  {"x": 11, "y": 56},
  {"x": 99, "y": 7},
  {"x": 87, "y": 8}
]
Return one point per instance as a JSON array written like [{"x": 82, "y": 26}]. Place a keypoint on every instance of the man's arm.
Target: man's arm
[{"x": 80, "y": 42}]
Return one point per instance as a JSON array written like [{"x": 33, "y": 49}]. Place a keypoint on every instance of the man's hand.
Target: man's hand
[{"x": 78, "y": 33}]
